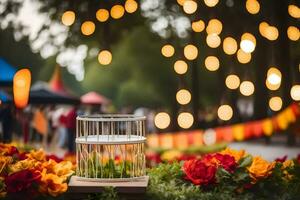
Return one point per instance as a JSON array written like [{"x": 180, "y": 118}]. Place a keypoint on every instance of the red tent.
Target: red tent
[
  {"x": 94, "y": 98},
  {"x": 56, "y": 84}
]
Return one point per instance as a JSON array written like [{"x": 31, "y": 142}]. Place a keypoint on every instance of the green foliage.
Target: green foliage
[{"x": 108, "y": 193}]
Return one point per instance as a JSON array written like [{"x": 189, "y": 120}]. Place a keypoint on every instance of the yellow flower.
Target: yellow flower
[
  {"x": 260, "y": 168},
  {"x": 234, "y": 153},
  {"x": 39, "y": 155},
  {"x": 287, "y": 163},
  {"x": 2, "y": 188},
  {"x": 63, "y": 169},
  {"x": 170, "y": 155},
  {"x": 4, "y": 161},
  {"x": 52, "y": 184},
  {"x": 23, "y": 164}
]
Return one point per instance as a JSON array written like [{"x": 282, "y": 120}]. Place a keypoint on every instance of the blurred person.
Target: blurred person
[
  {"x": 6, "y": 119},
  {"x": 71, "y": 128}
]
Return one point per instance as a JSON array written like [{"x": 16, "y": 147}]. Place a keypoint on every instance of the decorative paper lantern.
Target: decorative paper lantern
[
  {"x": 198, "y": 26},
  {"x": 117, "y": 11},
  {"x": 243, "y": 57},
  {"x": 105, "y": 57},
  {"x": 267, "y": 126},
  {"x": 180, "y": 67},
  {"x": 167, "y": 50},
  {"x": 131, "y": 6},
  {"x": 162, "y": 120},
  {"x": 295, "y": 92},
  {"x": 212, "y": 63},
  {"x": 190, "y": 52},
  {"x": 183, "y": 97},
  {"x": 21, "y": 87},
  {"x": 211, "y": 3},
  {"x": 209, "y": 136},
  {"x": 238, "y": 132},
  {"x": 294, "y": 11},
  {"x": 275, "y": 103},
  {"x": 190, "y": 6},
  {"x": 282, "y": 121},
  {"x": 271, "y": 33},
  {"x": 225, "y": 112},
  {"x": 87, "y": 28},
  {"x": 214, "y": 27},
  {"x": 229, "y": 45},
  {"x": 274, "y": 76},
  {"x": 247, "y": 88},
  {"x": 252, "y": 6},
  {"x": 293, "y": 33},
  {"x": 248, "y": 42},
  {"x": 68, "y": 18},
  {"x": 102, "y": 15},
  {"x": 185, "y": 120},
  {"x": 232, "y": 81},
  {"x": 213, "y": 40}
]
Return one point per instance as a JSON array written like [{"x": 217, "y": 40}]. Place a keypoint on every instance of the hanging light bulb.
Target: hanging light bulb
[
  {"x": 180, "y": 67},
  {"x": 190, "y": 52},
  {"x": 214, "y": 27},
  {"x": 213, "y": 40},
  {"x": 21, "y": 87},
  {"x": 243, "y": 57},
  {"x": 183, "y": 97},
  {"x": 212, "y": 63},
  {"x": 167, "y": 50},
  {"x": 225, "y": 112},
  {"x": 247, "y": 88},
  {"x": 105, "y": 57},
  {"x": 68, "y": 18},
  {"x": 190, "y": 6},
  {"x": 211, "y": 3},
  {"x": 293, "y": 33},
  {"x": 198, "y": 26},
  {"x": 295, "y": 92},
  {"x": 117, "y": 11},
  {"x": 275, "y": 103},
  {"x": 232, "y": 81},
  {"x": 229, "y": 45},
  {"x": 294, "y": 11},
  {"x": 131, "y": 6},
  {"x": 248, "y": 43},
  {"x": 185, "y": 120},
  {"x": 88, "y": 28},
  {"x": 102, "y": 15},
  {"x": 274, "y": 76},
  {"x": 252, "y": 6},
  {"x": 162, "y": 120}
]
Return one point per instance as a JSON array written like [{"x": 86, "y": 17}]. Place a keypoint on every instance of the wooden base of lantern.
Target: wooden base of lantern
[{"x": 134, "y": 189}]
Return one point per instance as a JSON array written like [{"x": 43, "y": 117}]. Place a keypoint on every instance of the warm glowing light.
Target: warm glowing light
[
  {"x": 274, "y": 76},
  {"x": 275, "y": 103},
  {"x": 243, "y": 57},
  {"x": 21, "y": 87},
  {"x": 252, "y": 6},
  {"x": 229, "y": 45},
  {"x": 263, "y": 27},
  {"x": 213, "y": 40},
  {"x": 232, "y": 81},
  {"x": 247, "y": 88},
  {"x": 131, "y": 6},
  {"x": 209, "y": 137},
  {"x": 212, "y": 63},
  {"x": 181, "y": 2},
  {"x": 190, "y": 52},
  {"x": 117, "y": 11},
  {"x": 190, "y": 6},
  {"x": 294, "y": 11},
  {"x": 271, "y": 86},
  {"x": 183, "y": 97},
  {"x": 87, "y": 28},
  {"x": 105, "y": 57},
  {"x": 225, "y": 112},
  {"x": 162, "y": 120},
  {"x": 293, "y": 33},
  {"x": 180, "y": 67},
  {"x": 185, "y": 120},
  {"x": 295, "y": 92},
  {"x": 248, "y": 42},
  {"x": 198, "y": 26},
  {"x": 102, "y": 15},
  {"x": 167, "y": 50},
  {"x": 214, "y": 27},
  {"x": 271, "y": 33},
  {"x": 68, "y": 18},
  {"x": 211, "y": 3}
]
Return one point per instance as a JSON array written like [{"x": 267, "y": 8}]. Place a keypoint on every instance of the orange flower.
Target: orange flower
[
  {"x": 63, "y": 169},
  {"x": 52, "y": 184},
  {"x": 260, "y": 168},
  {"x": 234, "y": 153},
  {"x": 4, "y": 161},
  {"x": 22, "y": 165},
  {"x": 37, "y": 155}
]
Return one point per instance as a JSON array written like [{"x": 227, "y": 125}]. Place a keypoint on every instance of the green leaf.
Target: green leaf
[{"x": 246, "y": 161}]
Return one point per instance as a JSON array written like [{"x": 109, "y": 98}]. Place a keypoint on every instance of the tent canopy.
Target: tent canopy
[
  {"x": 4, "y": 97},
  {"x": 7, "y": 73},
  {"x": 94, "y": 98},
  {"x": 56, "y": 83}
]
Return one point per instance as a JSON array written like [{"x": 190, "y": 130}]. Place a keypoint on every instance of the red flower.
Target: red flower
[
  {"x": 199, "y": 172},
  {"x": 54, "y": 157},
  {"x": 21, "y": 181},
  {"x": 281, "y": 159},
  {"x": 186, "y": 157},
  {"x": 11, "y": 151},
  {"x": 298, "y": 158},
  {"x": 224, "y": 160}
]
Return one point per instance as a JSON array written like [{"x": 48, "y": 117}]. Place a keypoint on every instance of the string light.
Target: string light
[
  {"x": 180, "y": 67},
  {"x": 271, "y": 33},
  {"x": 68, "y": 18},
  {"x": 190, "y": 52},
  {"x": 225, "y": 112},
  {"x": 167, "y": 50},
  {"x": 252, "y": 6},
  {"x": 190, "y": 6},
  {"x": 131, "y": 6},
  {"x": 229, "y": 45},
  {"x": 102, "y": 15},
  {"x": 198, "y": 26},
  {"x": 212, "y": 63},
  {"x": 105, "y": 57},
  {"x": 295, "y": 92},
  {"x": 209, "y": 137},
  {"x": 247, "y": 88},
  {"x": 293, "y": 33},
  {"x": 181, "y": 2},
  {"x": 274, "y": 76},
  {"x": 214, "y": 27},
  {"x": 87, "y": 28},
  {"x": 243, "y": 57},
  {"x": 232, "y": 81},
  {"x": 185, "y": 120},
  {"x": 271, "y": 86},
  {"x": 211, "y": 3},
  {"x": 117, "y": 11},
  {"x": 162, "y": 120},
  {"x": 183, "y": 96},
  {"x": 275, "y": 103},
  {"x": 263, "y": 27},
  {"x": 213, "y": 40},
  {"x": 248, "y": 42},
  {"x": 294, "y": 11}
]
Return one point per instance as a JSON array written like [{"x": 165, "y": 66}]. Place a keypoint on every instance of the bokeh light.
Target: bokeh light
[
  {"x": 183, "y": 96},
  {"x": 213, "y": 40},
  {"x": 248, "y": 42},
  {"x": 162, "y": 120},
  {"x": 232, "y": 81},
  {"x": 295, "y": 92},
  {"x": 294, "y": 11},
  {"x": 229, "y": 45},
  {"x": 190, "y": 6},
  {"x": 180, "y": 67},
  {"x": 271, "y": 33},
  {"x": 131, "y": 6},
  {"x": 247, "y": 88},
  {"x": 212, "y": 63},
  {"x": 88, "y": 28},
  {"x": 252, "y": 6},
  {"x": 243, "y": 57},
  {"x": 225, "y": 112},
  {"x": 68, "y": 18},
  {"x": 167, "y": 50},
  {"x": 211, "y": 3},
  {"x": 190, "y": 52},
  {"x": 214, "y": 27},
  {"x": 293, "y": 33},
  {"x": 117, "y": 11},
  {"x": 102, "y": 15},
  {"x": 274, "y": 76},
  {"x": 105, "y": 57},
  {"x": 275, "y": 103},
  {"x": 198, "y": 26},
  {"x": 185, "y": 120}
]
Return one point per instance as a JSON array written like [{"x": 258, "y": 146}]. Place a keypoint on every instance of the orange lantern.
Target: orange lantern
[
  {"x": 238, "y": 132},
  {"x": 21, "y": 87}
]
